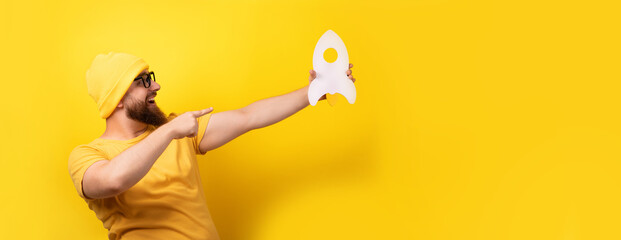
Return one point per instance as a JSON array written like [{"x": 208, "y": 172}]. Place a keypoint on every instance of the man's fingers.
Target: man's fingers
[
  {"x": 205, "y": 111},
  {"x": 312, "y": 76},
  {"x": 199, "y": 113},
  {"x": 349, "y": 75}
]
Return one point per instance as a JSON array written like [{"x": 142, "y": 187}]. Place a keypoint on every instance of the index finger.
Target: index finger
[
  {"x": 199, "y": 113},
  {"x": 351, "y": 65}
]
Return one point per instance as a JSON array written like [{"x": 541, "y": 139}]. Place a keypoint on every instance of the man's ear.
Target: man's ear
[{"x": 120, "y": 105}]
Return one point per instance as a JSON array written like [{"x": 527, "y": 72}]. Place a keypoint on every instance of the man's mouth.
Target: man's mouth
[{"x": 151, "y": 99}]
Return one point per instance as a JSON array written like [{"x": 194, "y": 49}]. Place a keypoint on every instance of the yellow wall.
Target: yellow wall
[{"x": 474, "y": 119}]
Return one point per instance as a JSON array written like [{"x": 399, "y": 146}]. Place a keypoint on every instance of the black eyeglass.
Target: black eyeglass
[{"x": 146, "y": 79}]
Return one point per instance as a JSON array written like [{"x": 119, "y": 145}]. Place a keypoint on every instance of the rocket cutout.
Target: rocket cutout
[{"x": 331, "y": 77}]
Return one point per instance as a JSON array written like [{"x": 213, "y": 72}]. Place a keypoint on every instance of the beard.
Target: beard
[{"x": 140, "y": 111}]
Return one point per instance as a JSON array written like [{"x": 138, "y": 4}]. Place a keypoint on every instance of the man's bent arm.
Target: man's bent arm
[
  {"x": 226, "y": 126},
  {"x": 108, "y": 178}
]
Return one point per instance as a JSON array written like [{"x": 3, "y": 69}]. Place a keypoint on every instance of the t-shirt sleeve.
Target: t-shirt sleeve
[
  {"x": 202, "y": 126},
  {"x": 80, "y": 159}
]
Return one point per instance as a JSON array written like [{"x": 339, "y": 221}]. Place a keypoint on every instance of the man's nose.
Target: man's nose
[{"x": 154, "y": 86}]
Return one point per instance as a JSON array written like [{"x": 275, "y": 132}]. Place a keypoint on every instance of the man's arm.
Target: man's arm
[
  {"x": 108, "y": 178},
  {"x": 226, "y": 126}
]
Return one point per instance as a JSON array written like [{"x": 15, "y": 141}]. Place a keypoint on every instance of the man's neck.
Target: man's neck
[{"x": 120, "y": 127}]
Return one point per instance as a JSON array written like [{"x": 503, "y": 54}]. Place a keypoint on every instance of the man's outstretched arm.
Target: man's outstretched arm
[{"x": 226, "y": 126}]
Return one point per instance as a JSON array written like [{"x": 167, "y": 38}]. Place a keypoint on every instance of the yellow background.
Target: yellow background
[{"x": 474, "y": 119}]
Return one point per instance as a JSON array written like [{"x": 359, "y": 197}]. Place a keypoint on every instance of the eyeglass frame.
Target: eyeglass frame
[{"x": 146, "y": 82}]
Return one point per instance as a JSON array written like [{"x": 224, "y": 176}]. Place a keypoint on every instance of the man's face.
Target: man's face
[{"x": 139, "y": 103}]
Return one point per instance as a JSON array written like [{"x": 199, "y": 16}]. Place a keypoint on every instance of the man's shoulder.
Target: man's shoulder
[
  {"x": 172, "y": 116},
  {"x": 93, "y": 146},
  {"x": 85, "y": 151}
]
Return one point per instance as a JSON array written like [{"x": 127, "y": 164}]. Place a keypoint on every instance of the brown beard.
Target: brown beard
[{"x": 140, "y": 111}]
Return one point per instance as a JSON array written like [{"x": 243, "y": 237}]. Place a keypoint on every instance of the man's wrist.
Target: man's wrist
[{"x": 165, "y": 131}]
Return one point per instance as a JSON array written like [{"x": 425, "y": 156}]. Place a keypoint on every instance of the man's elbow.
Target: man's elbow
[
  {"x": 247, "y": 121},
  {"x": 108, "y": 187},
  {"x": 115, "y": 187}
]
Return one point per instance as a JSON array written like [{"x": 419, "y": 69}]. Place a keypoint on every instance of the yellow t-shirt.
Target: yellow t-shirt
[{"x": 167, "y": 203}]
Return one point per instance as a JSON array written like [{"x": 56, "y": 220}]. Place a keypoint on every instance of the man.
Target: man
[{"x": 141, "y": 176}]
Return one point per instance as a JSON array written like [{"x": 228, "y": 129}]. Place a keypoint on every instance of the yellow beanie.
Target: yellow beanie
[{"x": 109, "y": 77}]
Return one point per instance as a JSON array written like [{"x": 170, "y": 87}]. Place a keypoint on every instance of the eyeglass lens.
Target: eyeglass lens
[{"x": 146, "y": 79}]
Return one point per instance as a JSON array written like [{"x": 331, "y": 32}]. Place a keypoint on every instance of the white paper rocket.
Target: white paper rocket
[{"x": 331, "y": 77}]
